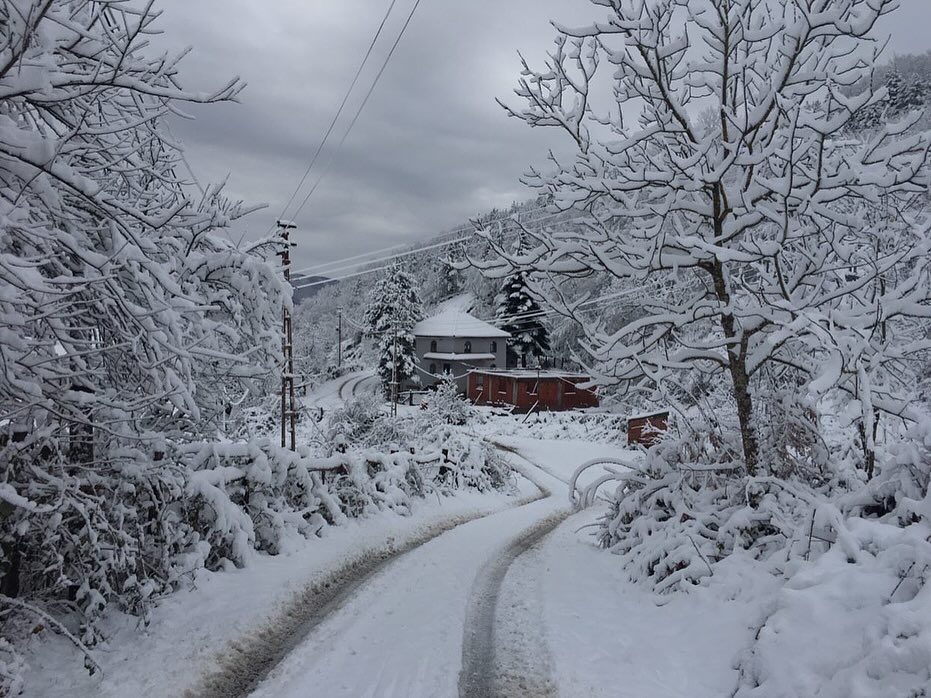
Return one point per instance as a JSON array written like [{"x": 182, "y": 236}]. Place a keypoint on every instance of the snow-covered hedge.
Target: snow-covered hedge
[{"x": 217, "y": 504}]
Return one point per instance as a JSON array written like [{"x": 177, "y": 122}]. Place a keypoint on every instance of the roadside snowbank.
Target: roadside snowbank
[{"x": 609, "y": 637}]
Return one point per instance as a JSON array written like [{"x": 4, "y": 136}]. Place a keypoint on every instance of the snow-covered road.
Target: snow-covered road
[
  {"x": 429, "y": 624},
  {"x": 402, "y": 632},
  {"x": 484, "y": 596}
]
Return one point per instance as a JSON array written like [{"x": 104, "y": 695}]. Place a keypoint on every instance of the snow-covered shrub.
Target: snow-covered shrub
[
  {"x": 446, "y": 406},
  {"x": 466, "y": 462},
  {"x": 354, "y": 421},
  {"x": 12, "y": 670},
  {"x": 684, "y": 510},
  {"x": 363, "y": 422},
  {"x": 899, "y": 492},
  {"x": 852, "y": 622}
]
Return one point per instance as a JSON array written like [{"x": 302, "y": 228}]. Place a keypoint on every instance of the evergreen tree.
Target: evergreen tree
[
  {"x": 904, "y": 94},
  {"x": 394, "y": 308},
  {"x": 522, "y": 314}
]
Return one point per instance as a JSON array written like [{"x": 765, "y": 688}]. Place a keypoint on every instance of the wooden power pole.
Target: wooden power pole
[
  {"x": 288, "y": 401},
  {"x": 394, "y": 370}
]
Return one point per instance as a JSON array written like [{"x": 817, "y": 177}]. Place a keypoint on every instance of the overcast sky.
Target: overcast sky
[{"x": 431, "y": 149}]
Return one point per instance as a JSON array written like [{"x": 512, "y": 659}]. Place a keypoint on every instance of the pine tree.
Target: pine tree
[
  {"x": 394, "y": 308},
  {"x": 521, "y": 314},
  {"x": 903, "y": 96}
]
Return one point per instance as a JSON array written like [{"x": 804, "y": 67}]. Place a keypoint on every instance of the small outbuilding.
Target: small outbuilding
[
  {"x": 526, "y": 390},
  {"x": 647, "y": 429}
]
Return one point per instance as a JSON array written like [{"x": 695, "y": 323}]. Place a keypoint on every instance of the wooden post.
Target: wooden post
[
  {"x": 288, "y": 400},
  {"x": 394, "y": 371}
]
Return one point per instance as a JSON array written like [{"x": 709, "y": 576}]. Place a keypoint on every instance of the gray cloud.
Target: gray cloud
[{"x": 431, "y": 148}]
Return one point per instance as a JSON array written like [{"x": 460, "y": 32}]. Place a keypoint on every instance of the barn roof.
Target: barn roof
[
  {"x": 532, "y": 373},
  {"x": 455, "y": 323}
]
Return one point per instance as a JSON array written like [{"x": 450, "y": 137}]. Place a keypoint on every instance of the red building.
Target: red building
[
  {"x": 531, "y": 389},
  {"x": 647, "y": 429}
]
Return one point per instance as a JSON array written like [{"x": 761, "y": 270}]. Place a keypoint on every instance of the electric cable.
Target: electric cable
[
  {"x": 339, "y": 111},
  {"x": 467, "y": 228},
  {"x": 412, "y": 251},
  {"x": 361, "y": 107}
]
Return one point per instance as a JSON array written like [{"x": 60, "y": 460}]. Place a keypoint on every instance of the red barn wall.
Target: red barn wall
[{"x": 527, "y": 392}]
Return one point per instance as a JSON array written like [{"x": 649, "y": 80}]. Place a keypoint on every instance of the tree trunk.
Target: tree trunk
[
  {"x": 740, "y": 379},
  {"x": 741, "y": 389}
]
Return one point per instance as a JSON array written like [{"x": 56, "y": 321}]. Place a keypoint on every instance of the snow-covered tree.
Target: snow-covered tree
[
  {"x": 394, "y": 308},
  {"x": 127, "y": 326},
  {"x": 790, "y": 256},
  {"x": 521, "y": 315},
  {"x": 902, "y": 96}
]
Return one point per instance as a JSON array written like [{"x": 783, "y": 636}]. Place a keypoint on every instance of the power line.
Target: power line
[
  {"x": 410, "y": 251},
  {"x": 526, "y": 315},
  {"x": 352, "y": 123},
  {"x": 386, "y": 259},
  {"x": 342, "y": 106},
  {"x": 317, "y": 268},
  {"x": 372, "y": 270}
]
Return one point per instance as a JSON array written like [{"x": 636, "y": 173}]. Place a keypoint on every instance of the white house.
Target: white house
[{"x": 455, "y": 342}]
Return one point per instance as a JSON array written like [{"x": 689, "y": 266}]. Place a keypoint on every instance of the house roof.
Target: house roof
[{"x": 455, "y": 323}]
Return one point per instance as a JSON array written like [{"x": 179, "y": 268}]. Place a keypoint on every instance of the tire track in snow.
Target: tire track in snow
[
  {"x": 485, "y": 673},
  {"x": 482, "y": 675},
  {"x": 357, "y": 388},
  {"x": 251, "y": 659},
  {"x": 348, "y": 388}
]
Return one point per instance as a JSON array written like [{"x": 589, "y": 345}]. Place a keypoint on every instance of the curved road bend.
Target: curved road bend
[{"x": 423, "y": 623}]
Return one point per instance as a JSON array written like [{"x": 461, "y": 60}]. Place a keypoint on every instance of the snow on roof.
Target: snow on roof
[
  {"x": 454, "y": 323},
  {"x": 533, "y": 374}
]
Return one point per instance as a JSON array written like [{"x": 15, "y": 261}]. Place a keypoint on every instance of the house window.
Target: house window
[
  {"x": 467, "y": 348},
  {"x": 433, "y": 369},
  {"x": 446, "y": 368},
  {"x": 433, "y": 345},
  {"x": 494, "y": 347}
]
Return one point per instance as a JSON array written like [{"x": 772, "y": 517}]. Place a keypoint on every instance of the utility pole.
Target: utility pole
[
  {"x": 288, "y": 401},
  {"x": 339, "y": 336},
  {"x": 394, "y": 370}
]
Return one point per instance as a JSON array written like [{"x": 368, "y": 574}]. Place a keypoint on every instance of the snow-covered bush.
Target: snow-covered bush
[
  {"x": 12, "y": 670},
  {"x": 852, "y": 622},
  {"x": 445, "y": 405},
  {"x": 354, "y": 422},
  {"x": 682, "y": 511}
]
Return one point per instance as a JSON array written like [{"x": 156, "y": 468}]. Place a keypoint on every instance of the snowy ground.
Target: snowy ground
[
  {"x": 515, "y": 603},
  {"x": 191, "y": 631},
  {"x": 567, "y": 609}
]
